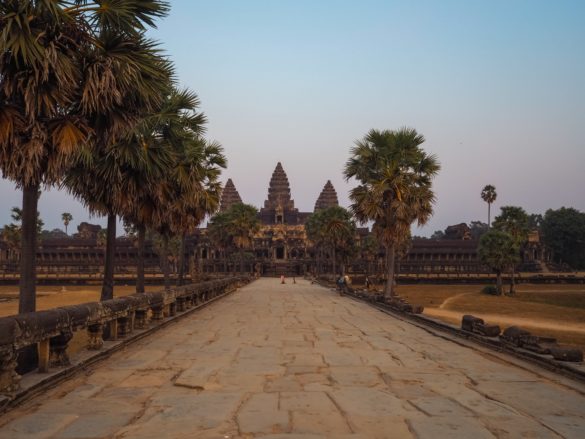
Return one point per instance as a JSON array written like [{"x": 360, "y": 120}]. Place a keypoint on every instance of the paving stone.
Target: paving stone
[
  {"x": 363, "y": 376},
  {"x": 36, "y": 426},
  {"x": 260, "y": 414},
  {"x": 330, "y": 423}
]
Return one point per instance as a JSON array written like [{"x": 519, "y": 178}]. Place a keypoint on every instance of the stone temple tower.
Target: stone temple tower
[
  {"x": 327, "y": 198},
  {"x": 229, "y": 196},
  {"x": 279, "y": 208}
]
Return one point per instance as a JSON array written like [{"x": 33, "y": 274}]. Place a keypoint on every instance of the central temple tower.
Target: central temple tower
[{"x": 279, "y": 207}]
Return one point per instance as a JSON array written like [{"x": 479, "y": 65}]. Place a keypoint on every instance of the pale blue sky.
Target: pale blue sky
[{"x": 496, "y": 87}]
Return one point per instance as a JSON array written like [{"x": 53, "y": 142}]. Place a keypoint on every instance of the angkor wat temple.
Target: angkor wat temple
[{"x": 280, "y": 246}]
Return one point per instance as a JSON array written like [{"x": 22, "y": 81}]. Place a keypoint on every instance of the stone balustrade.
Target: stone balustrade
[{"x": 114, "y": 319}]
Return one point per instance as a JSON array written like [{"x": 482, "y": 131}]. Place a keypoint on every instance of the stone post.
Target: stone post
[
  {"x": 9, "y": 378},
  {"x": 44, "y": 355},
  {"x": 157, "y": 312},
  {"x": 123, "y": 324},
  {"x": 58, "y": 349},
  {"x": 140, "y": 318},
  {"x": 95, "y": 336}
]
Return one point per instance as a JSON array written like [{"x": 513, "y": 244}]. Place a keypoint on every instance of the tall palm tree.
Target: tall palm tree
[
  {"x": 334, "y": 229},
  {"x": 235, "y": 227},
  {"x": 169, "y": 138},
  {"x": 66, "y": 217},
  {"x": 67, "y": 69},
  {"x": 489, "y": 195},
  {"x": 395, "y": 187},
  {"x": 498, "y": 250},
  {"x": 514, "y": 221},
  {"x": 202, "y": 198}
]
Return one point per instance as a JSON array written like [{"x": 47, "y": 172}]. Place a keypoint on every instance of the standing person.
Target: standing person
[
  {"x": 282, "y": 279},
  {"x": 367, "y": 283}
]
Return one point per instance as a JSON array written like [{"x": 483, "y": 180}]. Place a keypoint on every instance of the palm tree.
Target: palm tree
[
  {"x": 334, "y": 229},
  {"x": 489, "y": 195},
  {"x": 235, "y": 227},
  {"x": 168, "y": 142},
  {"x": 69, "y": 72},
  {"x": 514, "y": 221},
  {"x": 498, "y": 250},
  {"x": 66, "y": 217},
  {"x": 395, "y": 190}
]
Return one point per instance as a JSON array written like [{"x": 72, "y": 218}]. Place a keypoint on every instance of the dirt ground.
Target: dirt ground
[
  {"x": 55, "y": 296},
  {"x": 556, "y": 310}
]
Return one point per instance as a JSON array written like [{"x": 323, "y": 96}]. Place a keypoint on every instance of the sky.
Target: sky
[{"x": 496, "y": 87}]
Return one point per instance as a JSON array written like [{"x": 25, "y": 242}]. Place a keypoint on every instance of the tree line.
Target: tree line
[{"x": 90, "y": 104}]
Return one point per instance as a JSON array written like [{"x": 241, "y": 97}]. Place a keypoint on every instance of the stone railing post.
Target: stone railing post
[
  {"x": 180, "y": 304},
  {"x": 95, "y": 336},
  {"x": 123, "y": 324},
  {"x": 157, "y": 312},
  {"x": 44, "y": 355},
  {"x": 140, "y": 318},
  {"x": 58, "y": 355},
  {"x": 9, "y": 378}
]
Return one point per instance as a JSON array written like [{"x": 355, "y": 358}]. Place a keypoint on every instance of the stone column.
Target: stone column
[
  {"x": 180, "y": 304},
  {"x": 58, "y": 349},
  {"x": 95, "y": 336},
  {"x": 123, "y": 324},
  {"x": 9, "y": 378},
  {"x": 140, "y": 318},
  {"x": 157, "y": 312}
]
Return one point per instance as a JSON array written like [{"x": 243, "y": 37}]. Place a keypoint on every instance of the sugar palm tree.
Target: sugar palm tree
[
  {"x": 514, "y": 221},
  {"x": 165, "y": 136},
  {"x": 69, "y": 73},
  {"x": 66, "y": 217},
  {"x": 235, "y": 227},
  {"x": 334, "y": 229},
  {"x": 202, "y": 197},
  {"x": 498, "y": 250},
  {"x": 489, "y": 195},
  {"x": 395, "y": 187}
]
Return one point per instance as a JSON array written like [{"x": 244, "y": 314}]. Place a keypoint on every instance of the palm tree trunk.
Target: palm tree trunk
[
  {"x": 140, "y": 263},
  {"x": 499, "y": 282},
  {"x": 181, "y": 275},
  {"x": 108, "y": 283},
  {"x": 390, "y": 258},
  {"x": 489, "y": 216},
  {"x": 28, "y": 240},
  {"x": 165, "y": 262}
]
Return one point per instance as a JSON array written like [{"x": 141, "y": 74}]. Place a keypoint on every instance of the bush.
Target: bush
[{"x": 490, "y": 289}]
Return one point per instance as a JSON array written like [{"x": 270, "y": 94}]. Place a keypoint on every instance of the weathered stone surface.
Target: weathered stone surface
[{"x": 276, "y": 361}]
